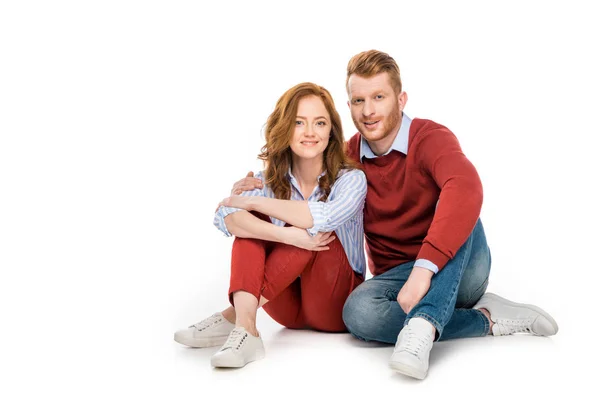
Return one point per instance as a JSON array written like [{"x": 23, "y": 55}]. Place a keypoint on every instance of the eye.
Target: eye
[
  {"x": 379, "y": 97},
  {"x": 298, "y": 123},
  {"x": 322, "y": 123},
  {"x": 356, "y": 101}
]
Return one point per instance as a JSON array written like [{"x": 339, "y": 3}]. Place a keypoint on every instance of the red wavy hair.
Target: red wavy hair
[{"x": 277, "y": 154}]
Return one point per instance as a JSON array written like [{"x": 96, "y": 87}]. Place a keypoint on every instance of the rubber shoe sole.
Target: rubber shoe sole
[{"x": 201, "y": 342}]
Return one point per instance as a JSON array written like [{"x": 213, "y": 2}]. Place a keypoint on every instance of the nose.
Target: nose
[
  {"x": 368, "y": 108},
  {"x": 309, "y": 131}
]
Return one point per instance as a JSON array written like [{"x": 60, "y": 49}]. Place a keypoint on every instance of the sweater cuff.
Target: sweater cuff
[{"x": 430, "y": 253}]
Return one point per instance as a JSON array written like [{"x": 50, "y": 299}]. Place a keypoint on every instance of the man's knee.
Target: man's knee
[{"x": 360, "y": 314}]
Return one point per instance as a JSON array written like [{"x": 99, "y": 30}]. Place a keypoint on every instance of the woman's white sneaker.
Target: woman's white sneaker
[
  {"x": 240, "y": 348},
  {"x": 212, "y": 331},
  {"x": 510, "y": 317}
]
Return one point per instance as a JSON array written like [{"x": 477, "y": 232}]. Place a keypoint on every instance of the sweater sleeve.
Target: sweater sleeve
[{"x": 461, "y": 195}]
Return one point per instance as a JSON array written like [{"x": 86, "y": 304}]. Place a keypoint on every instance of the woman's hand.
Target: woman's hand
[
  {"x": 243, "y": 202},
  {"x": 300, "y": 238},
  {"x": 415, "y": 288}
]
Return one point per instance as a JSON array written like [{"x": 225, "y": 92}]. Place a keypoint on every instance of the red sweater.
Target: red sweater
[{"x": 401, "y": 220}]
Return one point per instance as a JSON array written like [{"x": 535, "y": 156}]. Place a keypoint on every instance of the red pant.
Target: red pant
[{"x": 305, "y": 289}]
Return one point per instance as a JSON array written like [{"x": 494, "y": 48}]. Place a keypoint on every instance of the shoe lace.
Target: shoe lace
[
  {"x": 413, "y": 343},
  {"x": 207, "y": 322},
  {"x": 510, "y": 326},
  {"x": 235, "y": 340}
]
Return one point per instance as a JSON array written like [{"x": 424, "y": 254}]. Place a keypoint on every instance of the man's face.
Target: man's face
[{"x": 376, "y": 109}]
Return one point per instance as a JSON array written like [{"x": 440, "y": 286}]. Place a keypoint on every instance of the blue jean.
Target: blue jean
[{"x": 372, "y": 312}]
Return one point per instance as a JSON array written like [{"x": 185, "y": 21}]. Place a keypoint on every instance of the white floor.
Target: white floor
[
  {"x": 124, "y": 123},
  {"x": 304, "y": 364}
]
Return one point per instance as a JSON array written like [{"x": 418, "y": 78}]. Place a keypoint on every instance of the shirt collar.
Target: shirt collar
[
  {"x": 293, "y": 179},
  {"x": 400, "y": 143}
]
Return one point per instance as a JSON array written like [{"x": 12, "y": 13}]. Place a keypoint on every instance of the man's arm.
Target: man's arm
[
  {"x": 456, "y": 214},
  {"x": 460, "y": 200}
]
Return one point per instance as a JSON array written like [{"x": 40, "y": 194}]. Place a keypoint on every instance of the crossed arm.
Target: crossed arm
[
  {"x": 296, "y": 213},
  {"x": 312, "y": 222}
]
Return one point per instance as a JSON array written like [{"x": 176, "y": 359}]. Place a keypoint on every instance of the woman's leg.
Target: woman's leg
[
  {"x": 325, "y": 286},
  {"x": 264, "y": 268}
]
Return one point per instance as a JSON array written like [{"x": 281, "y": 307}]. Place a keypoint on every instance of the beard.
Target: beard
[{"x": 390, "y": 122}]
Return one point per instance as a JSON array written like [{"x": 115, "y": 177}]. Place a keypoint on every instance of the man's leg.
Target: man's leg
[
  {"x": 464, "y": 277},
  {"x": 436, "y": 309},
  {"x": 372, "y": 311}
]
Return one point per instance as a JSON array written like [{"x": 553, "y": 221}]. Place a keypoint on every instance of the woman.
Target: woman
[{"x": 291, "y": 264}]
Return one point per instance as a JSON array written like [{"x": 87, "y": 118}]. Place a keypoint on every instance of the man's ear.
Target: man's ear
[{"x": 402, "y": 99}]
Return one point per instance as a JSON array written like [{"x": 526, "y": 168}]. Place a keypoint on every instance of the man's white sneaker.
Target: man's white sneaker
[
  {"x": 240, "y": 348},
  {"x": 510, "y": 317},
  {"x": 212, "y": 331},
  {"x": 411, "y": 354}
]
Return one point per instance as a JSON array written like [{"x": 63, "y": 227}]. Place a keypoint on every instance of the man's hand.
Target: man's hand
[
  {"x": 247, "y": 183},
  {"x": 415, "y": 288},
  {"x": 300, "y": 238}
]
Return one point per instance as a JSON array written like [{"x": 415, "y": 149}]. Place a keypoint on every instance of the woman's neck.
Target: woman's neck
[{"x": 307, "y": 172}]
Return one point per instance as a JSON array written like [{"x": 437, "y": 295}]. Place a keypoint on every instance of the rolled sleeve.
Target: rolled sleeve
[
  {"x": 320, "y": 215},
  {"x": 222, "y": 212},
  {"x": 219, "y": 220},
  {"x": 346, "y": 199}
]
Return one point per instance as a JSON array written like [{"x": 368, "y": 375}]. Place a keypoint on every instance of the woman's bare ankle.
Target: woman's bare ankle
[{"x": 229, "y": 314}]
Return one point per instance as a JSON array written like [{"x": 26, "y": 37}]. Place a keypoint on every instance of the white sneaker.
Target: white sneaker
[
  {"x": 411, "y": 354},
  {"x": 212, "y": 331},
  {"x": 240, "y": 348},
  {"x": 509, "y": 317}
]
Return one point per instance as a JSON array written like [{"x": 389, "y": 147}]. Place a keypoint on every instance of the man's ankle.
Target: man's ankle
[{"x": 488, "y": 316}]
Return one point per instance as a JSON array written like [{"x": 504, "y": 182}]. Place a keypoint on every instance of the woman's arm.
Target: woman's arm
[
  {"x": 294, "y": 212},
  {"x": 347, "y": 198},
  {"x": 245, "y": 225}
]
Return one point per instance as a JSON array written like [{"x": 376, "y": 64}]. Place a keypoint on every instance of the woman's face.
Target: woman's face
[{"x": 313, "y": 126}]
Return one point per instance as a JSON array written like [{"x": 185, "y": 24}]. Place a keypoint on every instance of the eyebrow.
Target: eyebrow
[{"x": 319, "y": 117}]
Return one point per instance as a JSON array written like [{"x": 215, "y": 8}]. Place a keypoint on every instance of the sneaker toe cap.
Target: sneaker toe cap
[{"x": 544, "y": 326}]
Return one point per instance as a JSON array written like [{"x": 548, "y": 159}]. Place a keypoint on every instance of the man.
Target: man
[{"x": 425, "y": 242}]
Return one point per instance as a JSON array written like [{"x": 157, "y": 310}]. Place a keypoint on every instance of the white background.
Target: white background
[{"x": 124, "y": 123}]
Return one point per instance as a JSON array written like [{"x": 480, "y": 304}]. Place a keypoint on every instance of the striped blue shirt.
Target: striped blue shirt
[{"x": 342, "y": 212}]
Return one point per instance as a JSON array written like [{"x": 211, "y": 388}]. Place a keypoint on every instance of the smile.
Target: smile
[{"x": 371, "y": 124}]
